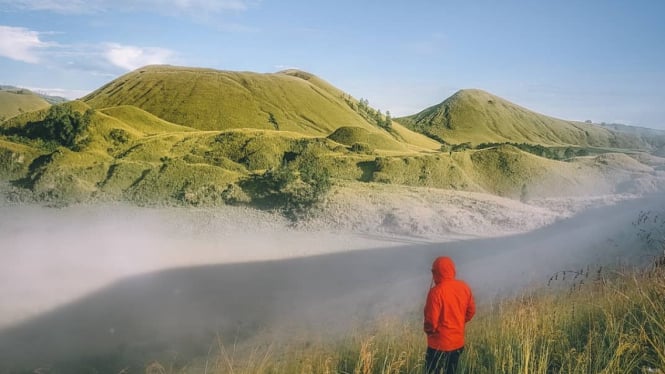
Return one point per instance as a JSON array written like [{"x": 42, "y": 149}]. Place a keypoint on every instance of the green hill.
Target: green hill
[
  {"x": 476, "y": 117},
  {"x": 207, "y": 99},
  {"x": 14, "y": 102},
  {"x": 179, "y": 135},
  {"x": 48, "y": 98}
]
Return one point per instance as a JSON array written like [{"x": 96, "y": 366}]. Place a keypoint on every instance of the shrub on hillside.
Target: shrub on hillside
[
  {"x": 460, "y": 147},
  {"x": 11, "y": 162},
  {"x": 536, "y": 149},
  {"x": 293, "y": 188},
  {"x": 361, "y": 147},
  {"x": 119, "y": 136},
  {"x": 62, "y": 124}
]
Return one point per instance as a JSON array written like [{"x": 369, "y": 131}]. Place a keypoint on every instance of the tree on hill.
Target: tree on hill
[
  {"x": 66, "y": 126},
  {"x": 388, "y": 121},
  {"x": 294, "y": 188},
  {"x": 363, "y": 104},
  {"x": 61, "y": 124}
]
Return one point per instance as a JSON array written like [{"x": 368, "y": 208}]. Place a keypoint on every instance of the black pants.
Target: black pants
[{"x": 441, "y": 362}]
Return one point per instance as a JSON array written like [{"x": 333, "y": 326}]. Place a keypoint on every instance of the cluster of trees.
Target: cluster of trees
[
  {"x": 294, "y": 187},
  {"x": 66, "y": 126},
  {"x": 369, "y": 113},
  {"x": 61, "y": 124}
]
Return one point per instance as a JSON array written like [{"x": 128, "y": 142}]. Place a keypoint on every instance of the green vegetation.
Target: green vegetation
[
  {"x": 477, "y": 117},
  {"x": 61, "y": 124},
  {"x": 349, "y": 135},
  {"x": 187, "y": 136},
  {"x": 554, "y": 153},
  {"x": 292, "y": 189},
  {"x": 15, "y": 159},
  {"x": 208, "y": 99},
  {"x": 19, "y": 101}
]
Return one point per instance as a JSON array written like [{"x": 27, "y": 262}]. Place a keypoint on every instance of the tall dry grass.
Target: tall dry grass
[{"x": 593, "y": 322}]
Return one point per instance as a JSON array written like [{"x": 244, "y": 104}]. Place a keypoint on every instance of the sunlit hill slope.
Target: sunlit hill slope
[
  {"x": 477, "y": 116},
  {"x": 164, "y": 134},
  {"x": 13, "y": 102}
]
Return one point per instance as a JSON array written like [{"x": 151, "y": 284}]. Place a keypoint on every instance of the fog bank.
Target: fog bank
[{"x": 124, "y": 285}]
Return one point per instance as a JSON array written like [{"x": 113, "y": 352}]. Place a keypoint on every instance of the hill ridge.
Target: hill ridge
[
  {"x": 195, "y": 136},
  {"x": 476, "y": 116}
]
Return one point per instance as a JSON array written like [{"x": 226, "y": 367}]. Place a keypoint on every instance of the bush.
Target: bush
[
  {"x": 460, "y": 147},
  {"x": 536, "y": 149},
  {"x": 62, "y": 125},
  {"x": 361, "y": 147},
  {"x": 119, "y": 136},
  {"x": 293, "y": 188},
  {"x": 65, "y": 125}
]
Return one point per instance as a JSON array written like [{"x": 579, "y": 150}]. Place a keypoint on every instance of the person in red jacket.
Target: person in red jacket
[{"x": 449, "y": 307}]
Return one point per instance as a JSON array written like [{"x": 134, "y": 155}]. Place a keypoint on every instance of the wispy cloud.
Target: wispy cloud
[
  {"x": 287, "y": 67},
  {"x": 96, "y": 6},
  {"x": 64, "y": 7},
  {"x": 21, "y": 44},
  {"x": 62, "y": 92},
  {"x": 131, "y": 57}
]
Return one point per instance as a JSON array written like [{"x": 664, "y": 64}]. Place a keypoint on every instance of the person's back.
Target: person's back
[{"x": 449, "y": 306}]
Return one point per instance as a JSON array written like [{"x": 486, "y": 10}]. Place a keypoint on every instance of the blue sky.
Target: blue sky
[{"x": 573, "y": 59}]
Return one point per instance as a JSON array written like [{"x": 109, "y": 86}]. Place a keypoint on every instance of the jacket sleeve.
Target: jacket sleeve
[
  {"x": 432, "y": 312},
  {"x": 470, "y": 308}
]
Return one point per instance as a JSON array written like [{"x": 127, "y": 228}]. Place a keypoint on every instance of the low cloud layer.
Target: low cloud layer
[{"x": 130, "y": 283}]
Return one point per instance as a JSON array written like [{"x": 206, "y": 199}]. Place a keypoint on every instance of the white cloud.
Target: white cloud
[
  {"x": 72, "y": 6},
  {"x": 62, "y": 92},
  {"x": 287, "y": 67},
  {"x": 130, "y": 57},
  {"x": 95, "y": 6},
  {"x": 21, "y": 44},
  {"x": 211, "y": 5}
]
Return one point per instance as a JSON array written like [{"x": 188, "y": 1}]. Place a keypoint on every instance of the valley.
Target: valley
[
  {"x": 119, "y": 285},
  {"x": 176, "y": 208}
]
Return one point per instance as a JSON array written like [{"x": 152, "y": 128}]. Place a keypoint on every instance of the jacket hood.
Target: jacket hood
[{"x": 443, "y": 268}]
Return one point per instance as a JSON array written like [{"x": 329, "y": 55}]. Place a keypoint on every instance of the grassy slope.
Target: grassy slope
[
  {"x": 15, "y": 158},
  {"x": 134, "y": 154},
  {"x": 154, "y": 161},
  {"x": 507, "y": 171},
  {"x": 477, "y": 117},
  {"x": 12, "y": 103},
  {"x": 158, "y": 161},
  {"x": 208, "y": 99},
  {"x": 136, "y": 119}
]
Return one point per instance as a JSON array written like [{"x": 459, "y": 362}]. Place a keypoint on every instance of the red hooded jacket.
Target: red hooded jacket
[{"x": 449, "y": 306}]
